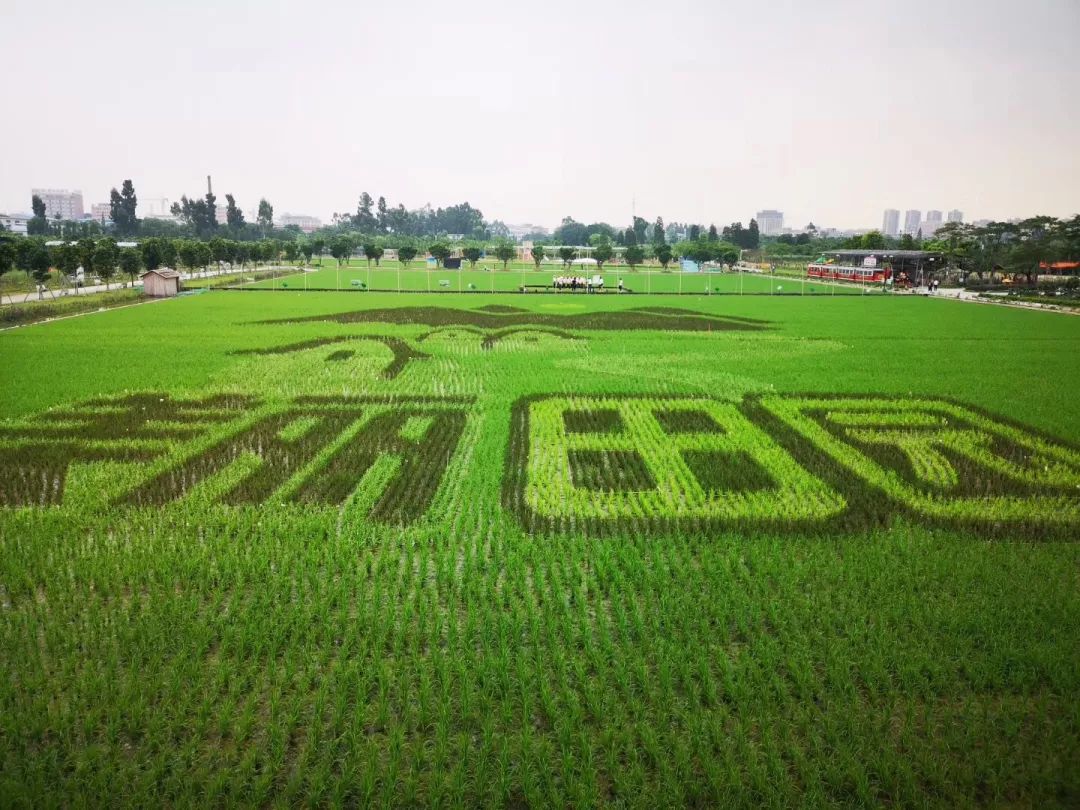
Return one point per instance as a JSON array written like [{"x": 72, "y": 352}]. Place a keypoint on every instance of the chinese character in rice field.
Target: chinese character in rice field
[
  {"x": 319, "y": 451},
  {"x": 626, "y": 461},
  {"x": 942, "y": 460},
  {"x": 35, "y": 456}
]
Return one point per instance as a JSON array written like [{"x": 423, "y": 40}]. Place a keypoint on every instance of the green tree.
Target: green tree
[
  {"x": 874, "y": 240},
  {"x": 382, "y": 217},
  {"x": 373, "y": 251},
  {"x": 205, "y": 255},
  {"x": 725, "y": 252},
  {"x": 130, "y": 262},
  {"x": 210, "y": 221},
  {"x": 567, "y": 254},
  {"x": 663, "y": 254},
  {"x": 86, "y": 248},
  {"x": 151, "y": 252},
  {"x": 36, "y": 261},
  {"x": 122, "y": 208},
  {"x": 169, "y": 248},
  {"x": 106, "y": 256},
  {"x": 187, "y": 252},
  {"x": 341, "y": 248},
  {"x": 220, "y": 249},
  {"x": 753, "y": 236},
  {"x": 505, "y": 251},
  {"x": 292, "y": 251},
  {"x": 234, "y": 217},
  {"x": 713, "y": 235},
  {"x": 38, "y": 225},
  {"x": 365, "y": 220},
  {"x": 699, "y": 250},
  {"x": 472, "y": 254},
  {"x": 270, "y": 250},
  {"x": 65, "y": 258},
  {"x": 266, "y": 216},
  {"x": 243, "y": 253},
  {"x": 658, "y": 235},
  {"x": 318, "y": 246},
  {"x": 602, "y": 251},
  {"x": 440, "y": 252},
  {"x": 537, "y": 254},
  {"x": 7, "y": 255},
  {"x": 306, "y": 250},
  {"x": 634, "y": 255},
  {"x": 406, "y": 253}
]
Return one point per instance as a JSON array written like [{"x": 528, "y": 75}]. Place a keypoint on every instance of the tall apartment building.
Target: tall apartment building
[
  {"x": 770, "y": 223},
  {"x": 60, "y": 201},
  {"x": 912, "y": 218},
  {"x": 933, "y": 216},
  {"x": 101, "y": 212},
  {"x": 956, "y": 215},
  {"x": 890, "y": 223}
]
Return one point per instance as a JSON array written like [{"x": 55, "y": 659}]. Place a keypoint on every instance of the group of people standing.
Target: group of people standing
[{"x": 576, "y": 283}]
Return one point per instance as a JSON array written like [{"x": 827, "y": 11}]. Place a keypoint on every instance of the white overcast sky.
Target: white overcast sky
[{"x": 701, "y": 111}]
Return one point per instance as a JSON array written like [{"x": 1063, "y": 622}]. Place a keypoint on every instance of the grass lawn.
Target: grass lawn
[{"x": 552, "y": 550}]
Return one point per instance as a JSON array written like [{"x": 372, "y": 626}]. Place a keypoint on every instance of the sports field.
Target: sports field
[{"x": 548, "y": 550}]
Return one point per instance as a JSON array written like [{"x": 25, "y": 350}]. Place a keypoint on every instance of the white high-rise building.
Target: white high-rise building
[
  {"x": 770, "y": 223},
  {"x": 101, "y": 212},
  {"x": 890, "y": 223},
  {"x": 956, "y": 215},
  {"x": 933, "y": 216},
  {"x": 912, "y": 218},
  {"x": 60, "y": 201}
]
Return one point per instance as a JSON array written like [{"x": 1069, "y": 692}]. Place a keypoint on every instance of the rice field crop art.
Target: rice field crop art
[{"x": 403, "y": 550}]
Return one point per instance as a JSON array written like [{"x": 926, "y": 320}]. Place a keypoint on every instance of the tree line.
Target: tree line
[{"x": 106, "y": 259}]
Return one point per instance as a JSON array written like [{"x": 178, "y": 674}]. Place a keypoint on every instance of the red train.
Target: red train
[{"x": 841, "y": 272}]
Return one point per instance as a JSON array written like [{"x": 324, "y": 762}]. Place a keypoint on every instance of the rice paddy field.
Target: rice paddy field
[
  {"x": 295, "y": 548},
  {"x": 390, "y": 276}
]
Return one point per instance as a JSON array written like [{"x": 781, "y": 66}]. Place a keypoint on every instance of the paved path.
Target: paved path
[{"x": 20, "y": 297}]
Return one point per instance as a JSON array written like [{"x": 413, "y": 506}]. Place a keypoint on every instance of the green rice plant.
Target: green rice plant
[
  {"x": 381, "y": 619},
  {"x": 941, "y": 459},
  {"x": 614, "y": 459}
]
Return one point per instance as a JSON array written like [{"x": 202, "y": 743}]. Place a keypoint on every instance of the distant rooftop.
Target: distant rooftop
[{"x": 894, "y": 254}]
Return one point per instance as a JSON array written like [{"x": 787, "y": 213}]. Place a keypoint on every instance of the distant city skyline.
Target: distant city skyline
[
  {"x": 498, "y": 105},
  {"x": 770, "y": 221}
]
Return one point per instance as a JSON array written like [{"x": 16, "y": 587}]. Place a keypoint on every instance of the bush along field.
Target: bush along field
[{"x": 546, "y": 550}]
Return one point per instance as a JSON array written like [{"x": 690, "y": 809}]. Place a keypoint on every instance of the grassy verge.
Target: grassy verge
[{"x": 34, "y": 311}]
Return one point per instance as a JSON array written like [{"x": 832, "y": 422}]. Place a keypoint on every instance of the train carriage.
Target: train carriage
[{"x": 875, "y": 266}]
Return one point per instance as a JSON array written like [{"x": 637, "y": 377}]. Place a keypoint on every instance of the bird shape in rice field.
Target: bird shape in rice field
[{"x": 495, "y": 323}]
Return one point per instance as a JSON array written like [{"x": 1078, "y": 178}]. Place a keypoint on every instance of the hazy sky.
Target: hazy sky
[{"x": 701, "y": 111}]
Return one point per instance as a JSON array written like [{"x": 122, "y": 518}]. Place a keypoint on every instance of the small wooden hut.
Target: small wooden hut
[{"x": 161, "y": 283}]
